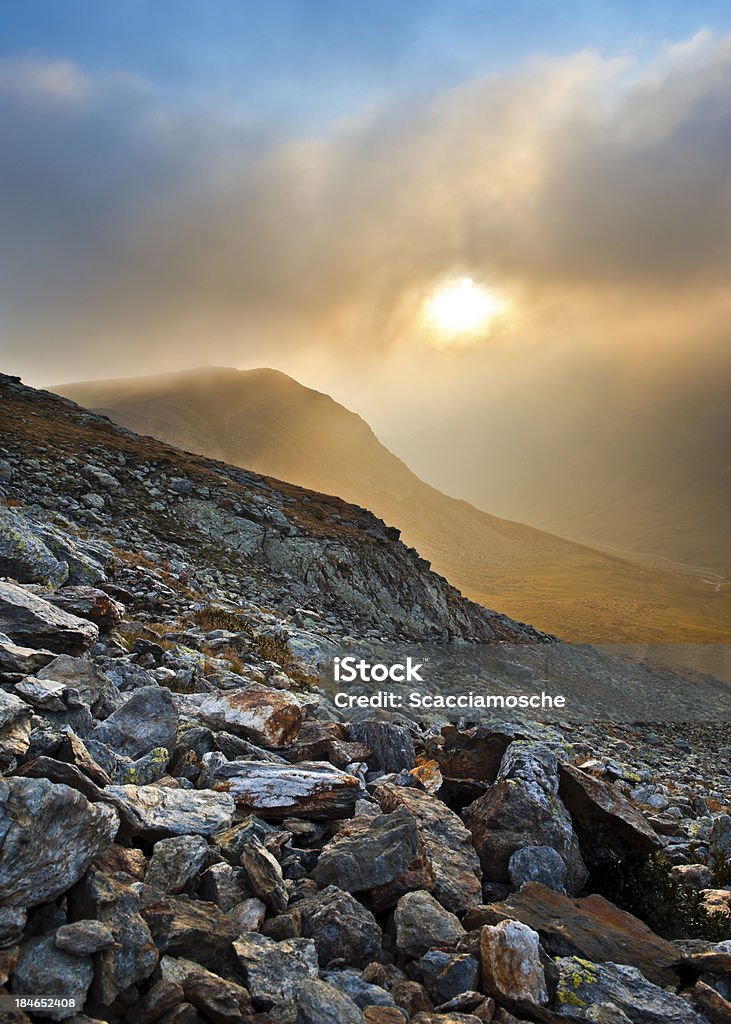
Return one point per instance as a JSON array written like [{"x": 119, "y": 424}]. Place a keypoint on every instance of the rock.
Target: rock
[
  {"x": 175, "y": 862},
  {"x": 133, "y": 955},
  {"x": 161, "y": 812},
  {"x": 23, "y": 555},
  {"x": 190, "y": 928},
  {"x": 428, "y": 775},
  {"x": 310, "y": 790},
  {"x": 220, "y": 1001},
  {"x": 93, "y": 685},
  {"x": 82, "y": 938},
  {"x": 274, "y": 971},
  {"x": 317, "y": 1002},
  {"x": 374, "y": 853},
  {"x": 582, "y": 984},
  {"x": 45, "y": 695},
  {"x": 422, "y": 923},
  {"x": 22, "y": 660},
  {"x": 162, "y": 997},
  {"x": 361, "y": 992},
  {"x": 717, "y": 901},
  {"x": 269, "y": 717},
  {"x": 147, "y": 720},
  {"x": 89, "y": 603},
  {"x": 473, "y": 754},
  {"x": 391, "y": 745},
  {"x": 720, "y": 839},
  {"x": 12, "y": 925},
  {"x": 247, "y": 916},
  {"x": 384, "y": 1015},
  {"x": 33, "y": 622},
  {"x": 341, "y": 927},
  {"x": 522, "y": 809},
  {"x": 711, "y": 1003},
  {"x": 223, "y": 885},
  {"x": 43, "y": 969},
  {"x": 325, "y": 741},
  {"x": 591, "y": 928},
  {"x": 482, "y": 1007},
  {"x": 264, "y": 875},
  {"x": 697, "y": 876},
  {"x": 15, "y": 725},
  {"x": 538, "y": 864},
  {"x": 446, "y": 843},
  {"x": 446, "y": 975},
  {"x": 448, "y": 1018},
  {"x": 50, "y": 834},
  {"x": 608, "y": 825},
  {"x": 511, "y": 963}
]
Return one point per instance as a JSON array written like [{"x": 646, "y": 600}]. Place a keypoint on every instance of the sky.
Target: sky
[{"x": 291, "y": 183}]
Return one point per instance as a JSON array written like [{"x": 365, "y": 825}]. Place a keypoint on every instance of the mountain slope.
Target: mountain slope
[{"x": 267, "y": 422}]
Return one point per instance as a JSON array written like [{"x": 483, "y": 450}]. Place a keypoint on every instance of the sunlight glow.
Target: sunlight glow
[{"x": 462, "y": 307}]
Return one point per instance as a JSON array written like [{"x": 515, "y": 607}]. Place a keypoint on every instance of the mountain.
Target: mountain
[{"x": 267, "y": 422}]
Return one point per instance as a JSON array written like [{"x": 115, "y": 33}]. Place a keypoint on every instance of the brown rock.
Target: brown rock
[
  {"x": 271, "y": 718},
  {"x": 511, "y": 963},
  {"x": 312, "y": 789},
  {"x": 219, "y": 1000},
  {"x": 162, "y": 997},
  {"x": 717, "y": 901},
  {"x": 384, "y": 1015},
  {"x": 411, "y": 996},
  {"x": 89, "y": 603},
  {"x": 472, "y": 754},
  {"x": 119, "y": 858},
  {"x": 711, "y": 1003},
  {"x": 190, "y": 928}
]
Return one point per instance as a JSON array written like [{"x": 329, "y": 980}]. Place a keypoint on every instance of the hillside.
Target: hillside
[{"x": 267, "y": 422}]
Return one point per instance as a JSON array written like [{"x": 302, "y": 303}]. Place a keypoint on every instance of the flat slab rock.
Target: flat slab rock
[
  {"x": 312, "y": 789},
  {"x": 30, "y": 621},
  {"x": 163, "y": 812},
  {"x": 271, "y": 718}
]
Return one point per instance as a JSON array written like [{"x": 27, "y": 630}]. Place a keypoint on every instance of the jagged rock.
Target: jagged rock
[
  {"x": 522, "y": 809},
  {"x": 23, "y": 555},
  {"x": 33, "y": 622},
  {"x": 43, "y": 969},
  {"x": 45, "y": 695},
  {"x": 446, "y": 842},
  {"x": 269, "y": 717},
  {"x": 511, "y": 963},
  {"x": 162, "y": 997},
  {"x": 147, "y": 720},
  {"x": 452, "y": 1018},
  {"x": 311, "y": 790},
  {"x": 608, "y": 825},
  {"x": 133, "y": 955},
  {"x": 361, "y": 992},
  {"x": 384, "y": 1015},
  {"x": 94, "y": 686},
  {"x": 538, "y": 864},
  {"x": 15, "y": 726},
  {"x": 421, "y": 923},
  {"x": 219, "y": 1000},
  {"x": 264, "y": 875},
  {"x": 51, "y": 834},
  {"x": 317, "y": 1002},
  {"x": 175, "y": 862},
  {"x": 369, "y": 853},
  {"x": 274, "y": 971},
  {"x": 325, "y": 741},
  {"x": 248, "y": 916},
  {"x": 120, "y": 858},
  {"x": 711, "y": 1003},
  {"x": 720, "y": 838},
  {"x": 697, "y": 876},
  {"x": 391, "y": 745},
  {"x": 475, "y": 1003},
  {"x": 582, "y": 984},
  {"x": 473, "y": 754},
  {"x": 161, "y": 812},
  {"x": 89, "y": 603},
  {"x": 12, "y": 925},
  {"x": 428, "y": 774},
  {"x": 82, "y": 938},
  {"x": 446, "y": 975},
  {"x": 15, "y": 660},
  {"x": 341, "y": 927},
  {"x": 223, "y": 885},
  {"x": 190, "y": 928}
]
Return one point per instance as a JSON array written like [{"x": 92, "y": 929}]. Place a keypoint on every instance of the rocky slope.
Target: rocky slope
[
  {"x": 265, "y": 421},
  {"x": 191, "y": 832}
]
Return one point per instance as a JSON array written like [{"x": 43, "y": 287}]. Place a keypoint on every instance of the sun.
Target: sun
[{"x": 461, "y": 308}]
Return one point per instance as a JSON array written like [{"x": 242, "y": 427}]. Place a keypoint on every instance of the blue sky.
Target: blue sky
[{"x": 301, "y": 63}]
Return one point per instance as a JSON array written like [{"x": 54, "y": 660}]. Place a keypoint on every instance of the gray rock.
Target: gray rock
[
  {"x": 50, "y": 836},
  {"x": 94, "y": 687},
  {"x": 175, "y": 862},
  {"x": 391, "y": 745},
  {"x": 361, "y": 992},
  {"x": 422, "y": 923},
  {"x": 12, "y": 924},
  {"x": 264, "y": 875},
  {"x": 23, "y": 555},
  {"x": 721, "y": 835},
  {"x": 274, "y": 971},
  {"x": 538, "y": 864},
  {"x": 371, "y": 857},
  {"x": 218, "y": 1000},
  {"x": 446, "y": 975},
  {"x": 162, "y": 812},
  {"x": 43, "y": 969},
  {"x": 22, "y": 660},
  {"x": 15, "y": 725},
  {"x": 33, "y": 622},
  {"x": 149, "y": 719},
  {"x": 89, "y": 603},
  {"x": 341, "y": 927},
  {"x": 82, "y": 938},
  {"x": 225, "y": 886},
  {"x": 317, "y": 1002},
  {"x": 582, "y": 984}
]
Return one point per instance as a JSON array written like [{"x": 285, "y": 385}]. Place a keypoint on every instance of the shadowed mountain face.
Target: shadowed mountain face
[{"x": 267, "y": 422}]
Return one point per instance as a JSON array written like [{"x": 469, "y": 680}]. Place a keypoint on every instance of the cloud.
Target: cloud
[{"x": 141, "y": 234}]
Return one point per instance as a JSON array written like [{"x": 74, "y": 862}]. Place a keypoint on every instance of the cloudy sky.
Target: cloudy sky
[{"x": 294, "y": 184}]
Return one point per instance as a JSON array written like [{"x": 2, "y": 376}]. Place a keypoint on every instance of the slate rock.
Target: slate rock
[
  {"x": 446, "y": 975},
  {"x": 264, "y": 875},
  {"x": 147, "y": 720},
  {"x": 23, "y": 555},
  {"x": 391, "y": 745},
  {"x": 175, "y": 862},
  {"x": 15, "y": 660},
  {"x": 511, "y": 963},
  {"x": 361, "y": 992},
  {"x": 51, "y": 834},
  {"x": 15, "y": 728},
  {"x": 94, "y": 687},
  {"x": 538, "y": 864},
  {"x": 32, "y": 622},
  {"x": 190, "y": 928},
  {"x": 342, "y": 928},
  {"x": 82, "y": 938},
  {"x": 224, "y": 885},
  {"x": 271, "y": 718},
  {"x": 274, "y": 971},
  {"x": 422, "y": 923},
  {"x": 43, "y": 969},
  {"x": 317, "y": 1002},
  {"x": 161, "y": 812},
  {"x": 220, "y": 1001},
  {"x": 89, "y": 603}
]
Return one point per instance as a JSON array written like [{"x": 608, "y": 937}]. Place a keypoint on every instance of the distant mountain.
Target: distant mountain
[{"x": 267, "y": 422}]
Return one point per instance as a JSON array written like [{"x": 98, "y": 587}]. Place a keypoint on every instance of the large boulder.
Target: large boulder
[
  {"x": 271, "y": 718},
  {"x": 160, "y": 812},
  {"x": 32, "y": 622},
  {"x": 50, "y": 835},
  {"x": 149, "y": 719},
  {"x": 447, "y": 845},
  {"x": 522, "y": 808},
  {"x": 24, "y": 556}
]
